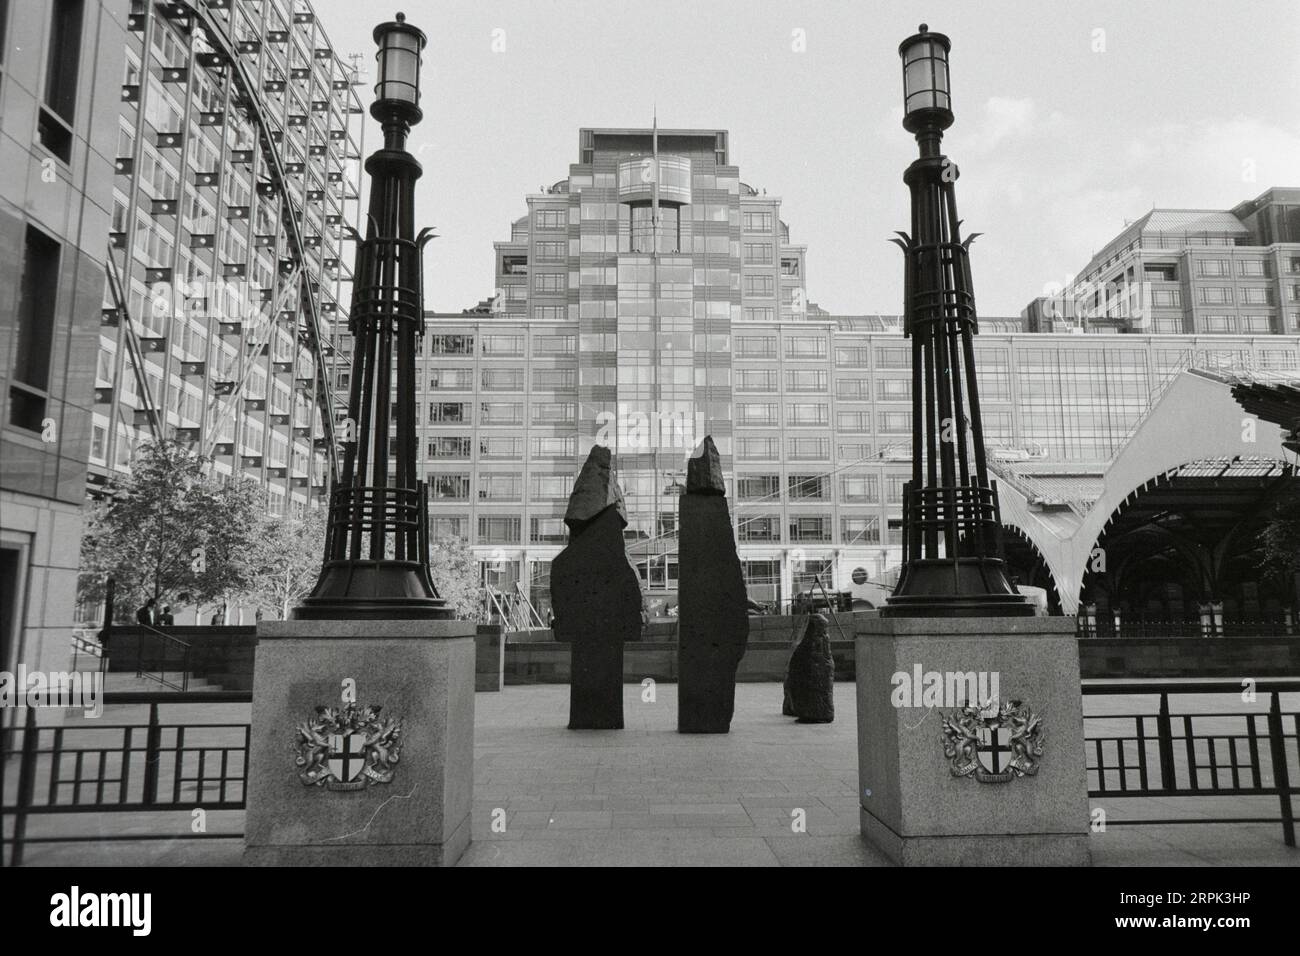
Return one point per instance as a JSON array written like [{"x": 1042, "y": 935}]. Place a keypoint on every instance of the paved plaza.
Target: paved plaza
[{"x": 650, "y": 796}]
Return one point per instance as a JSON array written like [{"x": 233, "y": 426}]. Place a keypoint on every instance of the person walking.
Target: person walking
[
  {"x": 165, "y": 619},
  {"x": 145, "y": 614}
]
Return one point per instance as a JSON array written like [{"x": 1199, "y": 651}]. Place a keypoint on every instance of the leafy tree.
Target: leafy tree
[
  {"x": 1278, "y": 540},
  {"x": 172, "y": 531},
  {"x": 455, "y": 574},
  {"x": 287, "y": 561}
]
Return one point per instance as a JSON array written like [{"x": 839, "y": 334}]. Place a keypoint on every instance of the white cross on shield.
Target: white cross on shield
[
  {"x": 347, "y": 756},
  {"x": 993, "y": 745}
]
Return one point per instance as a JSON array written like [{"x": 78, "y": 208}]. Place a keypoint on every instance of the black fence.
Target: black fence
[
  {"x": 1138, "y": 628},
  {"x": 94, "y": 767},
  {"x": 1206, "y": 753}
]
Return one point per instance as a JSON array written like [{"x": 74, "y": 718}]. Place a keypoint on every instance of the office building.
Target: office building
[
  {"x": 237, "y": 146},
  {"x": 60, "y": 61}
]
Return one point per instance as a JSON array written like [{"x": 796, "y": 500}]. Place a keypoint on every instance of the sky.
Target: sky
[{"x": 1071, "y": 119}]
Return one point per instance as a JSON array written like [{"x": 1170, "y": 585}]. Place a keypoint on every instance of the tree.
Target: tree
[
  {"x": 172, "y": 531},
  {"x": 287, "y": 561},
  {"x": 1278, "y": 541},
  {"x": 455, "y": 574}
]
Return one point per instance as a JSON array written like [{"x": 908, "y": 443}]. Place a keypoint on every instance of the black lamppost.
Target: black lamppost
[
  {"x": 377, "y": 544},
  {"x": 952, "y": 565}
]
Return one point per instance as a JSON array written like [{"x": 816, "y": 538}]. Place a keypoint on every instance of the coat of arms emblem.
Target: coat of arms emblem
[
  {"x": 993, "y": 742},
  {"x": 347, "y": 748}
]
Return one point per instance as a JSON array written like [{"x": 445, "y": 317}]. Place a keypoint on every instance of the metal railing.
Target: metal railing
[
  {"x": 155, "y": 653},
  {"x": 1201, "y": 754},
  {"x": 1138, "y": 628},
  {"x": 123, "y": 767}
]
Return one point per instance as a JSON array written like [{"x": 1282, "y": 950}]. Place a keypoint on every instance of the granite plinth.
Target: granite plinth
[
  {"x": 912, "y": 806},
  {"x": 419, "y": 671}
]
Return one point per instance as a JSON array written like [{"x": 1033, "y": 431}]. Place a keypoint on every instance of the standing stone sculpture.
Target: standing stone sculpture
[
  {"x": 595, "y": 596},
  {"x": 714, "y": 610},
  {"x": 810, "y": 676}
]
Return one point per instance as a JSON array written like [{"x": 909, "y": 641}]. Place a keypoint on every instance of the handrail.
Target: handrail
[{"x": 164, "y": 639}]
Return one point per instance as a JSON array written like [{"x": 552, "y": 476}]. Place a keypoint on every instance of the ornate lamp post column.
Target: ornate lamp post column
[
  {"x": 376, "y": 547},
  {"x": 951, "y": 523}
]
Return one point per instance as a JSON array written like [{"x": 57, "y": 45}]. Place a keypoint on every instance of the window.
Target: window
[
  {"x": 551, "y": 486},
  {"x": 447, "y": 412},
  {"x": 451, "y": 344},
  {"x": 893, "y": 358},
  {"x": 852, "y": 389},
  {"x": 756, "y": 413},
  {"x": 810, "y": 528},
  {"x": 501, "y": 413},
  {"x": 759, "y": 528},
  {"x": 758, "y": 487},
  {"x": 802, "y": 414},
  {"x": 896, "y": 423},
  {"x": 755, "y": 346},
  {"x": 756, "y": 380},
  {"x": 449, "y": 446},
  {"x": 498, "y": 529},
  {"x": 555, "y": 344},
  {"x": 550, "y": 218},
  {"x": 449, "y": 378},
  {"x": 758, "y": 449},
  {"x": 805, "y": 380},
  {"x": 864, "y": 529},
  {"x": 503, "y": 345},
  {"x": 859, "y": 488},
  {"x": 453, "y": 487},
  {"x": 1216, "y": 295},
  {"x": 548, "y": 282},
  {"x": 1160, "y": 271},
  {"x": 807, "y": 486},
  {"x": 1257, "y": 296},
  {"x": 54, "y": 126},
  {"x": 758, "y": 253},
  {"x": 789, "y": 267},
  {"x": 853, "y": 452},
  {"x": 1167, "y": 298},
  {"x": 447, "y": 526},
  {"x": 551, "y": 379},
  {"x": 550, "y": 313},
  {"x": 503, "y": 379},
  {"x": 759, "y": 314},
  {"x": 894, "y": 488},
  {"x": 1254, "y": 268},
  {"x": 514, "y": 265},
  {"x": 554, "y": 413},
  {"x": 805, "y": 347},
  {"x": 554, "y": 447},
  {"x": 810, "y": 449},
  {"x": 38, "y": 291},
  {"x": 547, "y": 531},
  {"x": 500, "y": 446},
  {"x": 500, "y": 487},
  {"x": 550, "y": 251},
  {"x": 758, "y": 221},
  {"x": 761, "y": 285},
  {"x": 893, "y": 390},
  {"x": 1214, "y": 268}
]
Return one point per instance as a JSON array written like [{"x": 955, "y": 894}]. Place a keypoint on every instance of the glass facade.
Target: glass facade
[{"x": 233, "y": 195}]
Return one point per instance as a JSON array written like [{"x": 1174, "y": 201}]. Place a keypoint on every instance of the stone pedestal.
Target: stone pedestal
[
  {"x": 421, "y": 672},
  {"x": 913, "y": 807}
]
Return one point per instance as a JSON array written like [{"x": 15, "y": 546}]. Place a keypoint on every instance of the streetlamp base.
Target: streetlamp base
[
  {"x": 972, "y": 587},
  {"x": 372, "y": 590}
]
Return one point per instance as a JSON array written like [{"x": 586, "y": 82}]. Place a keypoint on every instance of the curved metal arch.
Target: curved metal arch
[{"x": 251, "y": 103}]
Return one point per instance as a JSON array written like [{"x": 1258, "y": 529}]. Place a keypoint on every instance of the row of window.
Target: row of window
[{"x": 507, "y": 529}]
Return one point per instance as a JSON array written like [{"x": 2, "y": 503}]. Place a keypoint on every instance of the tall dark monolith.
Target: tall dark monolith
[
  {"x": 714, "y": 611},
  {"x": 595, "y": 596},
  {"x": 810, "y": 676}
]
